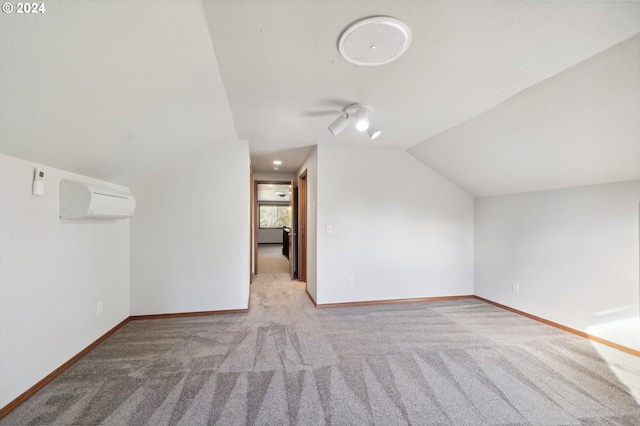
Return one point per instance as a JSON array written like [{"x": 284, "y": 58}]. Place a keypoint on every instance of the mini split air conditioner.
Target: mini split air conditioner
[{"x": 83, "y": 201}]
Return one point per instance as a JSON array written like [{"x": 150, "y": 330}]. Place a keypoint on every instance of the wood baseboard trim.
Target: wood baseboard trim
[
  {"x": 55, "y": 373},
  {"x": 562, "y": 327},
  {"x": 188, "y": 314},
  {"x": 35, "y": 388},
  {"x": 311, "y": 298},
  {"x": 385, "y": 302}
]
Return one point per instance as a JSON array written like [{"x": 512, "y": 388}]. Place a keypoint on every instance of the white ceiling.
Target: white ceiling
[
  {"x": 499, "y": 97},
  {"x": 116, "y": 90},
  {"x": 578, "y": 128}
]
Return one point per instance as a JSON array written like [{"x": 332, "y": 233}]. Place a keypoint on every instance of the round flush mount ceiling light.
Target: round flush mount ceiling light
[{"x": 374, "y": 41}]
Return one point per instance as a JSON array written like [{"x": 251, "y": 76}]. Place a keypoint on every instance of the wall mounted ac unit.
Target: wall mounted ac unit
[{"x": 83, "y": 201}]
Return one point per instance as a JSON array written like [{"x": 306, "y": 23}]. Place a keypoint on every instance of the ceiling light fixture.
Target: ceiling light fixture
[
  {"x": 361, "y": 114},
  {"x": 374, "y": 41},
  {"x": 277, "y": 162}
]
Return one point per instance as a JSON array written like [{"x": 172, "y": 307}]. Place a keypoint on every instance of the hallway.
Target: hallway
[{"x": 271, "y": 260}]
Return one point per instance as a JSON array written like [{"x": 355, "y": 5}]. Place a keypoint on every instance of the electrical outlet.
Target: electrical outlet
[
  {"x": 516, "y": 287},
  {"x": 329, "y": 229},
  {"x": 350, "y": 282},
  {"x": 99, "y": 311}
]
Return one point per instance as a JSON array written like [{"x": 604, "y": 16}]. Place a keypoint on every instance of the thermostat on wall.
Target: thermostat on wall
[{"x": 38, "y": 182}]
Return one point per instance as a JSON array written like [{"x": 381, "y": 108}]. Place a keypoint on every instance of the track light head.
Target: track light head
[
  {"x": 373, "y": 131},
  {"x": 338, "y": 125},
  {"x": 362, "y": 119}
]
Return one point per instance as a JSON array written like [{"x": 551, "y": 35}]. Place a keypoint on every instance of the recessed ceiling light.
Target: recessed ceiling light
[
  {"x": 375, "y": 41},
  {"x": 277, "y": 162},
  {"x": 276, "y": 168}
]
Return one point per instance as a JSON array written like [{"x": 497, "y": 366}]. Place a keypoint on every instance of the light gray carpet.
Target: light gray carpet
[
  {"x": 286, "y": 362},
  {"x": 271, "y": 259}
]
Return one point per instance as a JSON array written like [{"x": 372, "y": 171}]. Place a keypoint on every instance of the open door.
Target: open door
[{"x": 292, "y": 233}]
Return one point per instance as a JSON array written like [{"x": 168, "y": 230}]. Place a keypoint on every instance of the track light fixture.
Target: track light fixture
[{"x": 361, "y": 115}]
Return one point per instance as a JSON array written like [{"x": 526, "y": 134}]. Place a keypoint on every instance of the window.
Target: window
[{"x": 272, "y": 216}]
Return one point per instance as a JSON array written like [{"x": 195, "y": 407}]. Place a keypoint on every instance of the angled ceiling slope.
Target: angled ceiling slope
[
  {"x": 115, "y": 90},
  {"x": 579, "y": 127}
]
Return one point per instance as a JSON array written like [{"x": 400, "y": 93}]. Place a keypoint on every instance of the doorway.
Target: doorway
[{"x": 274, "y": 214}]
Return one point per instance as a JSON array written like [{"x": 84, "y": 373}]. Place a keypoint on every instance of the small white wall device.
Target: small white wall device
[{"x": 38, "y": 182}]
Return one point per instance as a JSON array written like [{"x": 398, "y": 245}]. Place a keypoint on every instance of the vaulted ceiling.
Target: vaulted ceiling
[
  {"x": 116, "y": 90},
  {"x": 499, "y": 97}
]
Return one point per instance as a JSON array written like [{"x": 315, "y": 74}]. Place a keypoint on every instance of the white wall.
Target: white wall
[
  {"x": 190, "y": 236},
  {"x": 53, "y": 272},
  {"x": 311, "y": 166},
  {"x": 275, "y": 177},
  {"x": 270, "y": 236},
  {"x": 400, "y": 230},
  {"x": 574, "y": 253}
]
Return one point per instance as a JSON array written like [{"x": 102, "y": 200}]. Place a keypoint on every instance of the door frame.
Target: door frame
[
  {"x": 302, "y": 227},
  {"x": 252, "y": 237},
  {"x": 291, "y": 241},
  {"x": 256, "y": 214}
]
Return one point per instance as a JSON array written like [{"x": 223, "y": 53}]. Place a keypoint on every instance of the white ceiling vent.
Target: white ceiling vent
[{"x": 374, "y": 41}]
